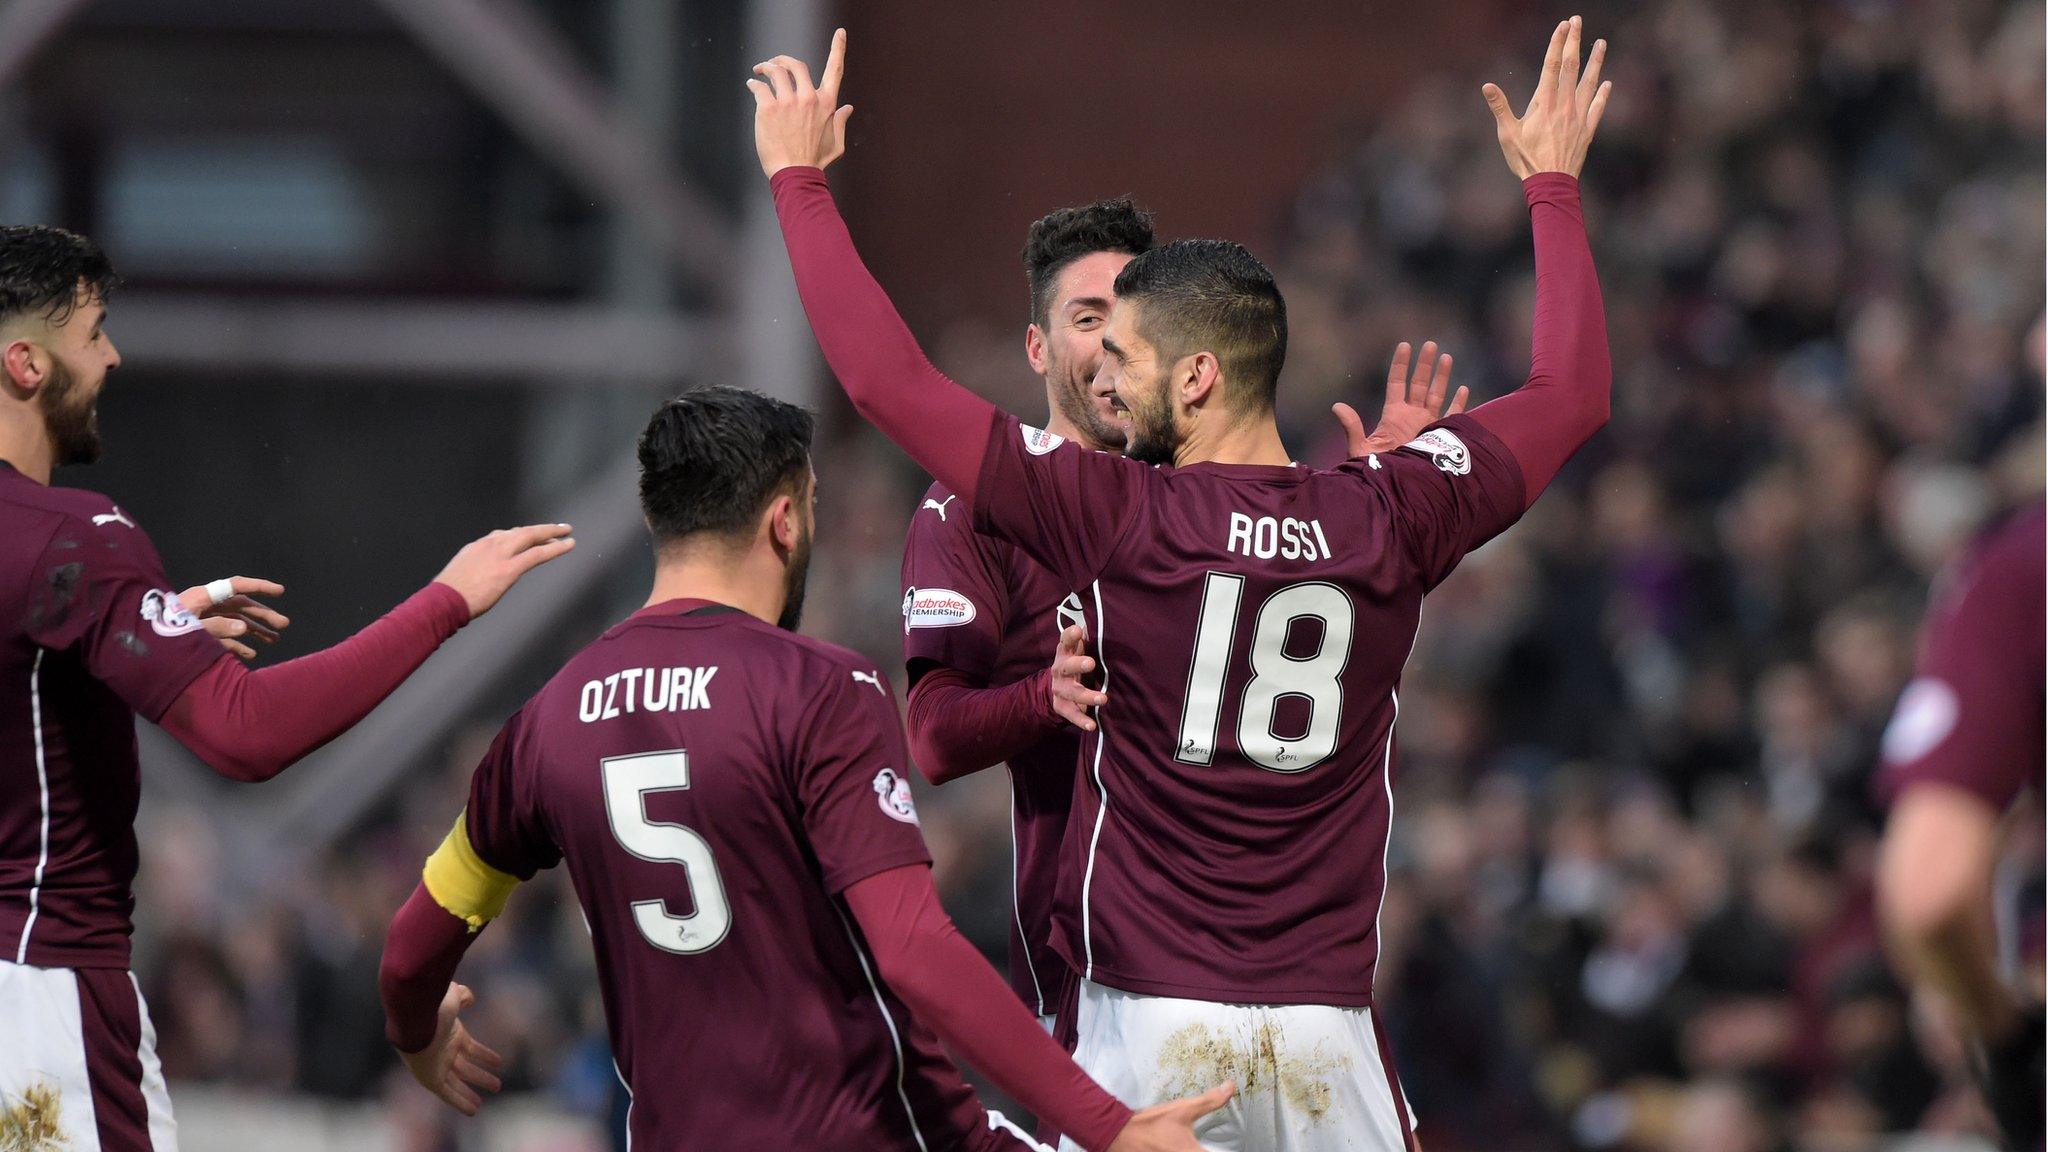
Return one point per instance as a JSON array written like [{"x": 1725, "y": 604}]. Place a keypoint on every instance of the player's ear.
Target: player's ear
[
  {"x": 23, "y": 366},
  {"x": 1196, "y": 378},
  {"x": 1034, "y": 347},
  {"x": 783, "y": 528}
]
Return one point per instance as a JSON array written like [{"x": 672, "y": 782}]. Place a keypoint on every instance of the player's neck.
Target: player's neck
[
  {"x": 1255, "y": 441},
  {"x": 758, "y": 593},
  {"x": 25, "y": 444},
  {"x": 1057, "y": 424}
]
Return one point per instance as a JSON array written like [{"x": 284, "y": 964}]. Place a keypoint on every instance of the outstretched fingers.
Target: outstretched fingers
[
  {"x": 1598, "y": 108},
  {"x": 1418, "y": 384},
  {"x": 1589, "y": 81},
  {"x": 835, "y": 68},
  {"x": 1553, "y": 63},
  {"x": 1568, "y": 64}
]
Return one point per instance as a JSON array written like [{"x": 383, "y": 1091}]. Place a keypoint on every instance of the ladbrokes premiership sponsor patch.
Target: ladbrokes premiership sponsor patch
[
  {"x": 935, "y": 608},
  {"x": 166, "y": 616},
  {"x": 1445, "y": 448},
  {"x": 892, "y": 792},
  {"x": 1038, "y": 441}
]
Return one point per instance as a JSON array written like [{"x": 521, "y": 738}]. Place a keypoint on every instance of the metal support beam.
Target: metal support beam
[{"x": 517, "y": 65}]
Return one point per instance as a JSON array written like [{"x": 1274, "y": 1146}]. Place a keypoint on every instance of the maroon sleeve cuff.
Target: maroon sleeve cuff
[
  {"x": 1551, "y": 187},
  {"x": 443, "y": 607},
  {"x": 958, "y": 728},
  {"x": 421, "y": 951}
]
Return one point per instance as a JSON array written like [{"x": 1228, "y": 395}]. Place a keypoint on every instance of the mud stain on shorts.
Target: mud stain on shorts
[{"x": 1196, "y": 1058}]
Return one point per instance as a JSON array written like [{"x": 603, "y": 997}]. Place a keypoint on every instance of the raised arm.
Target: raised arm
[
  {"x": 1565, "y": 399},
  {"x": 251, "y": 725},
  {"x": 799, "y": 128}
]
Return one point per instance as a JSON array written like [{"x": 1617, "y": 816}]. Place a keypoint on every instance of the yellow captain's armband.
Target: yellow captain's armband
[{"x": 459, "y": 880}]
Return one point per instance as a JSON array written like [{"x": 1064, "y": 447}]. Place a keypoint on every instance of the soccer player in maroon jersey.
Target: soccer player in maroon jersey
[
  {"x": 979, "y": 616},
  {"x": 91, "y": 636},
  {"x": 1965, "y": 740},
  {"x": 732, "y": 802},
  {"x": 1221, "y": 906}
]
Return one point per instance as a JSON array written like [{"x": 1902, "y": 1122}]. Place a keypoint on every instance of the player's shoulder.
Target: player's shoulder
[
  {"x": 43, "y": 516},
  {"x": 81, "y": 506},
  {"x": 940, "y": 510},
  {"x": 824, "y": 664}
]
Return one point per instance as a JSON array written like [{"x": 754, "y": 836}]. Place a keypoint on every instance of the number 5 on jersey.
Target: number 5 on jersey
[
  {"x": 627, "y": 781},
  {"x": 1316, "y": 678}
]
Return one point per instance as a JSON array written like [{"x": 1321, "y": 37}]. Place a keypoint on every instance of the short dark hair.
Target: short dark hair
[
  {"x": 1061, "y": 237},
  {"x": 712, "y": 458},
  {"x": 1215, "y": 296},
  {"x": 41, "y": 269}
]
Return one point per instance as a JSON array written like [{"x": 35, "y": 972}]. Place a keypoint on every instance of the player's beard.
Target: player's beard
[
  {"x": 1153, "y": 438},
  {"x": 1070, "y": 395},
  {"x": 794, "y": 576},
  {"x": 71, "y": 416}
]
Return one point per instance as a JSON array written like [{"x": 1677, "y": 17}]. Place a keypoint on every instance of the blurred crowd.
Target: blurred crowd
[{"x": 1635, "y": 833}]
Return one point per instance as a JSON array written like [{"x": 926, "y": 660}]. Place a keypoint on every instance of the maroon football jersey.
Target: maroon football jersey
[
  {"x": 714, "y": 783},
  {"x": 979, "y": 606},
  {"x": 1229, "y": 838},
  {"x": 1973, "y": 715},
  {"x": 93, "y": 637}
]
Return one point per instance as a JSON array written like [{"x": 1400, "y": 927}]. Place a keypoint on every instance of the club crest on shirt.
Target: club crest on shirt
[
  {"x": 166, "y": 616},
  {"x": 1038, "y": 441},
  {"x": 892, "y": 792},
  {"x": 1444, "y": 447},
  {"x": 935, "y": 608}
]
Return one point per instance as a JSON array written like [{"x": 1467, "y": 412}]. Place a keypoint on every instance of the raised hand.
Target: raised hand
[
  {"x": 486, "y": 569},
  {"x": 455, "y": 1066},
  {"x": 1170, "y": 1127},
  {"x": 229, "y": 612},
  {"x": 1558, "y": 124},
  {"x": 797, "y": 123},
  {"x": 1070, "y": 697},
  {"x": 1413, "y": 403}
]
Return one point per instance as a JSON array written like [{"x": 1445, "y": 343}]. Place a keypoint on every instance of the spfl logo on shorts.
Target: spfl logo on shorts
[
  {"x": 935, "y": 608},
  {"x": 892, "y": 792},
  {"x": 166, "y": 616},
  {"x": 1443, "y": 446}
]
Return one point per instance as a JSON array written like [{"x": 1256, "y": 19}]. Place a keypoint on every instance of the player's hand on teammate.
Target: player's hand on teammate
[
  {"x": 486, "y": 569},
  {"x": 231, "y": 614},
  {"x": 1414, "y": 402},
  {"x": 455, "y": 1066},
  {"x": 796, "y": 122},
  {"x": 1554, "y": 130},
  {"x": 1071, "y": 696},
  {"x": 1170, "y": 1127}
]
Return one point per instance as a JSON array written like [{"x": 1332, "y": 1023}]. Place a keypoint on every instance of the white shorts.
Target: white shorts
[
  {"x": 77, "y": 1051},
  {"x": 1310, "y": 1077}
]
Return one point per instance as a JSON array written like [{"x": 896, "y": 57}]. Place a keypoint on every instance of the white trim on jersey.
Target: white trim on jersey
[
  {"x": 1387, "y": 848},
  {"x": 895, "y": 1040},
  {"x": 35, "y": 892},
  {"x": 1101, "y": 794},
  {"x": 997, "y": 1122},
  {"x": 621, "y": 1074},
  {"x": 1016, "y": 911}
]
